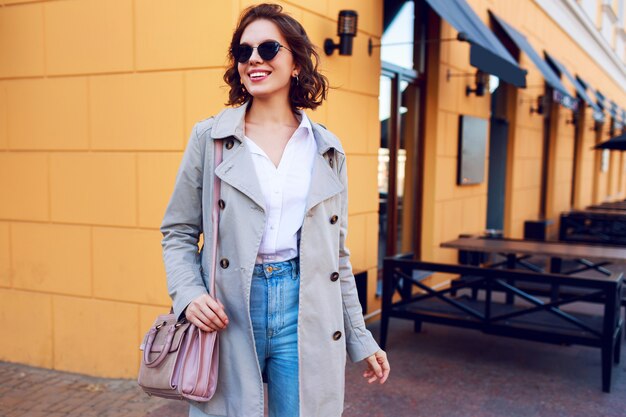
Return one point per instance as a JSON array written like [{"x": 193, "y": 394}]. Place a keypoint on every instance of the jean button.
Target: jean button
[{"x": 269, "y": 269}]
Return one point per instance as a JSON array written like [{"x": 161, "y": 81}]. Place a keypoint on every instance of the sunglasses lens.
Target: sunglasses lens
[
  {"x": 268, "y": 50},
  {"x": 242, "y": 53}
]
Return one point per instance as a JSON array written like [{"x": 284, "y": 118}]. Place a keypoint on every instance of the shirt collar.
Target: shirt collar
[
  {"x": 304, "y": 130},
  {"x": 230, "y": 121}
]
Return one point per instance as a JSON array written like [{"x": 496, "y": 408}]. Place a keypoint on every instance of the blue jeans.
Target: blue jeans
[{"x": 274, "y": 299}]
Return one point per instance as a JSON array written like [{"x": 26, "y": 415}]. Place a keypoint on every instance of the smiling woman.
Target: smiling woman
[{"x": 285, "y": 300}]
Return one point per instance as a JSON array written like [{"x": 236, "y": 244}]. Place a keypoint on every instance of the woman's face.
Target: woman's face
[{"x": 266, "y": 78}]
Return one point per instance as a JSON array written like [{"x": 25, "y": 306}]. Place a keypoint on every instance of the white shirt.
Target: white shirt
[{"x": 285, "y": 189}]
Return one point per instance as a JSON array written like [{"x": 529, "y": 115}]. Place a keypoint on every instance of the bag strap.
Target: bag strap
[{"x": 217, "y": 153}]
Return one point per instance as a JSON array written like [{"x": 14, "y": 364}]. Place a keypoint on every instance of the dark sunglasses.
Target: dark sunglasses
[{"x": 267, "y": 51}]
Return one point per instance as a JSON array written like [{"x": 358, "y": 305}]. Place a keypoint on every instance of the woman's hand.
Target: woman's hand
[
  {"x": 207, "y": 314},
  {"x": 377, "y": 367}
]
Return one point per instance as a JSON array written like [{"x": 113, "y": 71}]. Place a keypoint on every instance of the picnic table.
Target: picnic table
[{"x": 517, "y": 251}]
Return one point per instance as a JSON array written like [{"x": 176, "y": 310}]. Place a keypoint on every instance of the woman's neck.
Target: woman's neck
[{"x": 271, "y": 112}]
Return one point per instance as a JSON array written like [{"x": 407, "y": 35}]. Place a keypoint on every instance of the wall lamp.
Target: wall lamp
[
  {"x": 541, "y": 105},
  {"x": 346, "y": 30},
  {"x": 481, "y": 80}
]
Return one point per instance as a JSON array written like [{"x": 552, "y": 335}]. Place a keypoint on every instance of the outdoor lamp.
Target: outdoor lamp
[
  {"x": 346, "y": 30},
  {"x": 482, "y": 80}
]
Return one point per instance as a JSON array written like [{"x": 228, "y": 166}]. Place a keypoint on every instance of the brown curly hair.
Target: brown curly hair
[{"x": 310, "y": 89}]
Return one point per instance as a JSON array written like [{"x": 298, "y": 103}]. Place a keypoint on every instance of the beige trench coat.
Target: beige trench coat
[{"x": 326, "y": 306}]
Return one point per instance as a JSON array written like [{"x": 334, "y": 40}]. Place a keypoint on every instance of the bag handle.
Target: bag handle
[{"x": 166, "y": 347}]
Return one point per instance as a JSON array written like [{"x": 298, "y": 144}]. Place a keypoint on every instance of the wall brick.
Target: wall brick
[
  {"x": 205, "y": 95},
  {"x": 21, "y": 41},
  {"x": 371, "y": 240},
  {"x": 26, "y": 310},
  {"x": 137, "y": 111},
  {"x": 157, "y": 174},
  {"x": 10, "y": 2},
  {"x": 48, "y": 113},
  {"x": 4, "y": 138},
  {"x": 88, "y": 36},
  {"x": 452, "y": 219},
  {"x": 23, "y": 186},
  {"x": 5, "y": 255},
  {"x": 60, "y": 264},
  {"x": 316, "y": 6},
  {"x": 128, "y": 266},
  {"x": 95, "y": 335},
  {"x": 294, "y": 10},
  {"x": 364, "y": 69},
  {"x": 182, "y": 35},
  {"x": 93, "y": 188},
  {"x": 344, "y": 106},
  {"x": 362, "y": 180},
  {"x": 372, "y": 126}
]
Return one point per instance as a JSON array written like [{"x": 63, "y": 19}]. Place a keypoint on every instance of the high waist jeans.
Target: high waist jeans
[
  {"x": 274, "y": 298},
  {"x": 274, "y": 312}
]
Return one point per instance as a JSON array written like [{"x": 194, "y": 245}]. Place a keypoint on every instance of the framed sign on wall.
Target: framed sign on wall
[{"x": 472, "y": 150}]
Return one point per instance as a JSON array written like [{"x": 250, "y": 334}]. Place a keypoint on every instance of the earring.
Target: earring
[{"x": 297, "y": 79}]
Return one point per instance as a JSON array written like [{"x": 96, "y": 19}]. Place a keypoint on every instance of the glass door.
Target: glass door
[{"x": 397, "y": 163}]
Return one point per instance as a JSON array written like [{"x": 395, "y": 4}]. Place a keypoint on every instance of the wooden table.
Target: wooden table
[
  {"x": 516, "y": 250},
  {"x": 555, "y": 250}
]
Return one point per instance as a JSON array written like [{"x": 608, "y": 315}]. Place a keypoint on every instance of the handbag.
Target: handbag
[{"x": 179, "y": 360}]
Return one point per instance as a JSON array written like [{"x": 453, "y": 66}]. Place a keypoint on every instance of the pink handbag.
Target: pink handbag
[{"x": 179, "y": 360}]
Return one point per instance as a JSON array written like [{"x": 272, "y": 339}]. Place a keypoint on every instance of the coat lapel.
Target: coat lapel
[
  {"x": 237, "y": 168},
  {"x": 238, "y": 171},
  {"x": 324, "y": 183}
]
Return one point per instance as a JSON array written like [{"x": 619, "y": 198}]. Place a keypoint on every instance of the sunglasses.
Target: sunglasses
[{"x": 267, "y": 51}]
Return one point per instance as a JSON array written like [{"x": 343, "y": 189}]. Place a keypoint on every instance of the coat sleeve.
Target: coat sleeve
[
  {"x": 359, "y": 341},
  {"x": 181, "y": 228}
]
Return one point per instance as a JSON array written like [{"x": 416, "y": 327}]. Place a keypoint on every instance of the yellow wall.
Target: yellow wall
[
  {"x": 97, "y": 100},
  {"x": 93, "y": 122}
]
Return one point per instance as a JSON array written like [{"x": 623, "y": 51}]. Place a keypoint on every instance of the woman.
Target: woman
[{"x": 286, "y": 302}]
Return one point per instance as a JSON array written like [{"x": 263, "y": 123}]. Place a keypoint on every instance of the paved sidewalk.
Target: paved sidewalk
[
  {"x": 33, "y": 392},
  {"x": 440, "y": 372}
]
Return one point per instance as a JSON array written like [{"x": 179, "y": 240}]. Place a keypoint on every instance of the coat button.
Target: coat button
[
  {"x": 224, "y": 263},
  {"x": 337, "y": 335},
  {"x": 334, "y": 276},
  {"x": 334, "y": 219},
  {"x": 229, "y": 144},
  {"x": 221, "y": 203}
]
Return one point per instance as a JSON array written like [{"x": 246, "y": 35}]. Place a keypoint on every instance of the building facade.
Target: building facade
[{"x": 98, "y": 98}]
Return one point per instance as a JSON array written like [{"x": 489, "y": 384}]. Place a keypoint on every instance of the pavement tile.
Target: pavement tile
[{"x": 440, "y": 372}]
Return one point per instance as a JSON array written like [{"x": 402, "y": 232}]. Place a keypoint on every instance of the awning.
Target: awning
[
  {"x": 486, "y": 52},
  {"x": 612, "y": 108},
  {"x": 562, "y": 95},
  {"x": 600, "y": 99},
  {"x": 616, "y": 143},
  {"x": 598, "y": 115}
]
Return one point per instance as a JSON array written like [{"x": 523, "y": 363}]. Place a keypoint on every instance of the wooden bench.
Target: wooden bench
[{"x": 532, "y": 318}]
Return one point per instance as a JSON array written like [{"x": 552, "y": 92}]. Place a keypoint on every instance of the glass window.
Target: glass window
[{"x": 398, "y": 38}]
